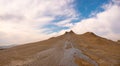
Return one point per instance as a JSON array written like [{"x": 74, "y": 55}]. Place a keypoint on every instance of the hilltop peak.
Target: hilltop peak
[
  {"x": 90, "y": 34},
  {"x": 70, "y": 32}
]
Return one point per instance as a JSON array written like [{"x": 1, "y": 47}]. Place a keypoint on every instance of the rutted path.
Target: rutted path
[
  {"x": 69, "y": 49},
  {"x": 72, "y": 52},
  {"x": 60, "y": 55}
]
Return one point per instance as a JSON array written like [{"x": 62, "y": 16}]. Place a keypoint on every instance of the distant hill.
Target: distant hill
[
  {"x": 118, "y": 41},
  {"x": 1, "y": 48},
  {"x": 69, "y": 49}
]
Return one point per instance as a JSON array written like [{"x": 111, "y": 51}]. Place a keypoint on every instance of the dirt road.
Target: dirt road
[
  {"x": 68, "y": 49},
  {"x": 62, "y": 54}
]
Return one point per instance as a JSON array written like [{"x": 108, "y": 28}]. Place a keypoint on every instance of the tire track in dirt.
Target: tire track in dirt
[{"x": 62, "y": 54}]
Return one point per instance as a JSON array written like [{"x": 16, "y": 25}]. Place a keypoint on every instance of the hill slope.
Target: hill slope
[{"x": 69, "y": 49}]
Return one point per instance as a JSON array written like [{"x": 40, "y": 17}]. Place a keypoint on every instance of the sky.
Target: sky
[{"x": 36, "y": 20}]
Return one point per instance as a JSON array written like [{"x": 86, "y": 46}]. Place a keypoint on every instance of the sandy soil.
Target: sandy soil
[{"x": 69, "y": 49}]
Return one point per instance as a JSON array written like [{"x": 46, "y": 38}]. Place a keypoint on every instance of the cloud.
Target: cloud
[
  {"x": 23, "y": 21},
  {"x": 105, "y": 24},
  {"x": 116, "y": 2},
  {"x": 65, "y": 23}
]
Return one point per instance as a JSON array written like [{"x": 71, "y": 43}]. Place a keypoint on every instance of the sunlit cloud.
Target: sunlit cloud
[
  {"x": 35, "y": 20},
  {"x": 105, "y": 24},
  {"x": 23, "y": 21}
]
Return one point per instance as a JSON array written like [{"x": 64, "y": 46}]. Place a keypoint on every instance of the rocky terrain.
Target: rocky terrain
[{"x": 69, "y": 49}]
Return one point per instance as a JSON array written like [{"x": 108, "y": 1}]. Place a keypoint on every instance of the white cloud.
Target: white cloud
[
  {"x": 105, "y": 23},
  {"x": 116, "y": 2},
  {"x": 65, "y": 23},
  {"x": 23, "y": 21}
]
